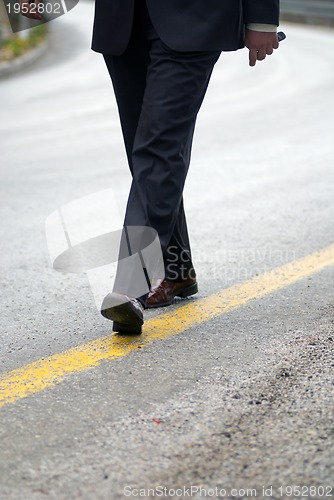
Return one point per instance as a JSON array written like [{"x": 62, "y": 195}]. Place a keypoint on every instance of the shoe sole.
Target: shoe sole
[
  {"x": 183, "y": 293},
  {"x": 123, "y": 328},
  {"x": 124, "y": 317}
]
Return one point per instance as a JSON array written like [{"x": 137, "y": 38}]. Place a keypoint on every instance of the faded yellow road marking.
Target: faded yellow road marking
[{"x": 48, "y": 372}]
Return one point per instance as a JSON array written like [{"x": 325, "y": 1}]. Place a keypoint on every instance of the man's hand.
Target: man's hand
[
  {"x": 31, "y": 9},
  {"x": 260, "y": 45}
]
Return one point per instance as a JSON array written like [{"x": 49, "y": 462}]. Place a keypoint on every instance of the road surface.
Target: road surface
[{"x": 236, "y": 399}]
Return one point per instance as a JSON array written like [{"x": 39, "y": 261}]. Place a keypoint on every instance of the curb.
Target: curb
[{"x": 11, "y": 67}]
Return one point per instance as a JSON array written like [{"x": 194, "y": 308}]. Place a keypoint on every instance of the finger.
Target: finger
[
  {"x": 34, "y": 9},
  {"x": 261, "y": 54},
  {"x": 252, "y": 57},
  {"x": 269, "y": 50},
  {"x": 276, "y": 44}
]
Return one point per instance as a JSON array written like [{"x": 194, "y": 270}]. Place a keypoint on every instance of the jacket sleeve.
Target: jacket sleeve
[{"x": 261, "y": 11}]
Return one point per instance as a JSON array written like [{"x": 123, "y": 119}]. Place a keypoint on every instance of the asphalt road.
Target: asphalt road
[{"x": 242, "y": 400}]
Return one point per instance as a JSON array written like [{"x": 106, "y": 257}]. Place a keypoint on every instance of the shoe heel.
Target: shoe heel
[
  {"x": 121, "y": 328},
  {"x": 189, "y": 290}
]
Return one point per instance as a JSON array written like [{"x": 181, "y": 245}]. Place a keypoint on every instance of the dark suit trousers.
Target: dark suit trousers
[{"x": 159, "y": 93}]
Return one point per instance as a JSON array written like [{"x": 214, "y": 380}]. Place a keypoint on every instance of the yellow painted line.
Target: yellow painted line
[{"x": 35, "y": 377}]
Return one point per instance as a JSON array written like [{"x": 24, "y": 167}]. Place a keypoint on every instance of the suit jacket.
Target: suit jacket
[{"x": 183, "y": 25}]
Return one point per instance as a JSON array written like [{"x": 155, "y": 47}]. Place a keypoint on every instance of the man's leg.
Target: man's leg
[
  {"x": 177, "y": 257},
  {"x": 175, "y": 86},
  {"x": 128, "y": 74}
]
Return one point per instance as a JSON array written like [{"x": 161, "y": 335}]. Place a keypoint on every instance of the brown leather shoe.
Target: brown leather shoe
[
  {"x": 126, "y": 313},
  {"x": 164, "y": 291}
]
